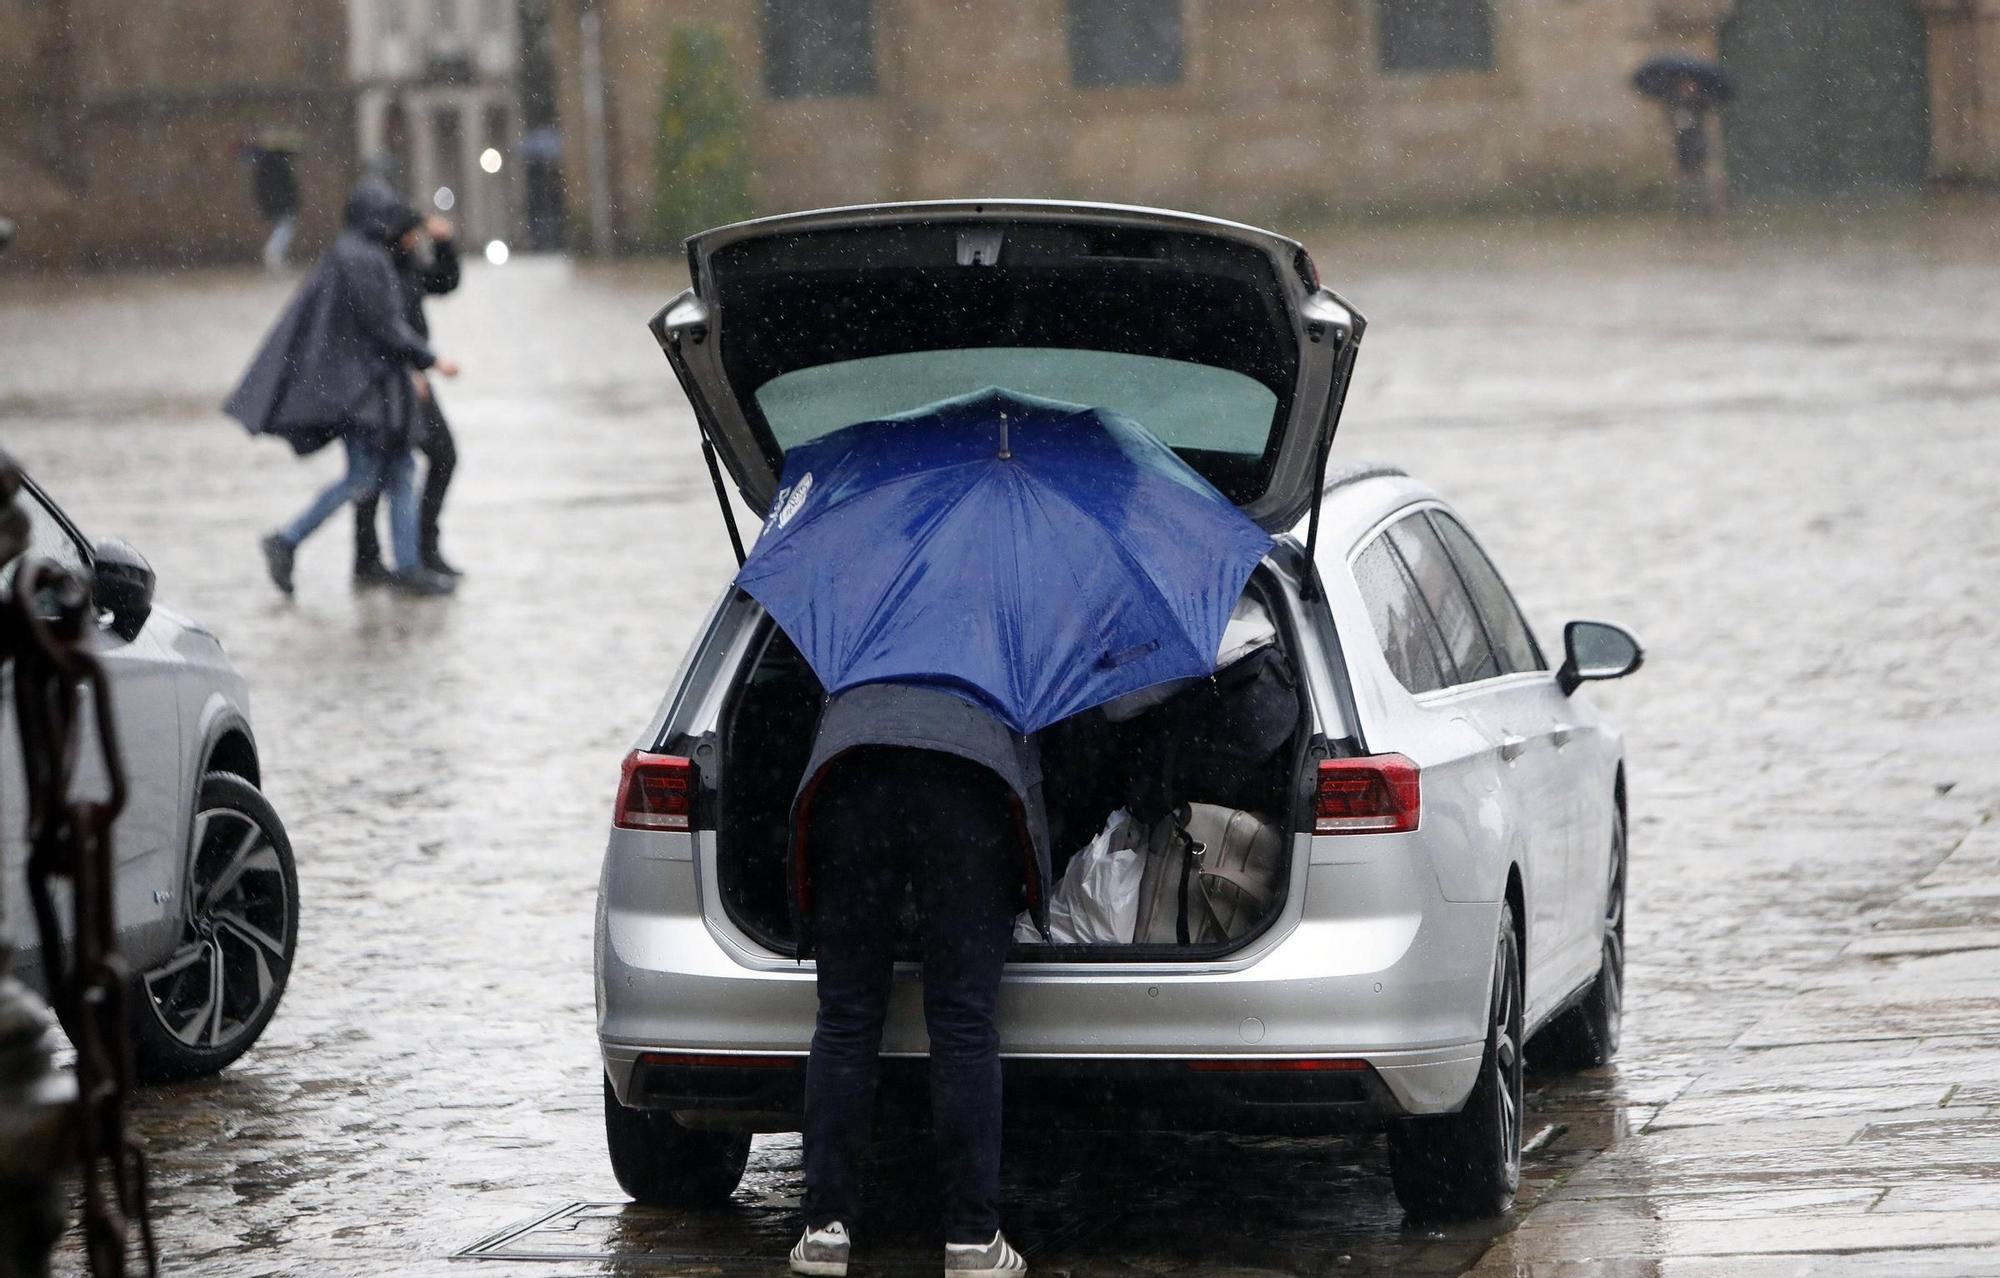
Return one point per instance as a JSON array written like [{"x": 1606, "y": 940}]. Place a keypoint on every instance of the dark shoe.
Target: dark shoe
[
  {"x": 435, "y": 563},
  {"x": 419, "y": 581},
  {"x": 278, "y": 555},
  {"x": 370, "y": 574}
]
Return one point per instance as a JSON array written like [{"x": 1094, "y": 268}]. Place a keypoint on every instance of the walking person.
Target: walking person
[
  {"x": 1697, "y": 191},
  {"x": 274, "y": 185},
  {"x": 421, "y": 275},
  {"x": 338, "y": 365},
  {"x": 911, "y": 785}
]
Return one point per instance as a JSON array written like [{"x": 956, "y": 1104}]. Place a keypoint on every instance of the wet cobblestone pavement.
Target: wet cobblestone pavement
[{"x": 1771, "y": 450}]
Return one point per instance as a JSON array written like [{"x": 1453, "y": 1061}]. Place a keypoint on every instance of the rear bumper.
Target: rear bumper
[
  {"x": 1071, "y": 1094},
  {"x": 1403, "y": 991}
]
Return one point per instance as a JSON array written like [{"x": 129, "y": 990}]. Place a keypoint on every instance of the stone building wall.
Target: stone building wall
[
  {"x": 1284, "y": 107},
  {"x": 119, "y": 133}
]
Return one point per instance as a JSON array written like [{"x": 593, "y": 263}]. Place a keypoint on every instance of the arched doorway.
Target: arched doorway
[{"x": 1831, "y": 97}]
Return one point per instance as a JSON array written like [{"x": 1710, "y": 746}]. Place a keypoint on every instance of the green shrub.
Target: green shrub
[{"x": 701, "y": 157}]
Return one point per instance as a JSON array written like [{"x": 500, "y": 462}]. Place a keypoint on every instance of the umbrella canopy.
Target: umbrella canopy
[
  {"x": 1662, "y": 78},
  {"x": 1036, "y": 558}
]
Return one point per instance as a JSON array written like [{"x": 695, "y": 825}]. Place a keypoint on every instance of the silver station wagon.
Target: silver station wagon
[
  {"x": 1451, "y": 810},
  {"x": 205, "y": 892}
]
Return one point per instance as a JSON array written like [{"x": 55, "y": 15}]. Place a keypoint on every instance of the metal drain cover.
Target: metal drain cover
[{"x": 601, "y": 1232}]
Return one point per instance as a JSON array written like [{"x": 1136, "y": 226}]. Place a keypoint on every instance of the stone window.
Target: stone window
[
  {"x": 819, "y": 48},
  {"x": 1435, "y": 35},
  {"x": 1114, "y": 42}
]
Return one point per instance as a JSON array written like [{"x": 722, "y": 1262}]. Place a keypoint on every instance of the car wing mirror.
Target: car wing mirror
[
  {"x": 1597, "y": 650},
  {"x": 122, "y": 586}
]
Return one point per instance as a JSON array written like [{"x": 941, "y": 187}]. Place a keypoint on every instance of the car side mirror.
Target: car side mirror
[
  {"x": 123, "y": 586},
  {"x": 1597, "y": 650}
]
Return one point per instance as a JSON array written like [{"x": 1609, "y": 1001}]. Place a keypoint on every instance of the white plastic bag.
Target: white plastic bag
[
  {"x": 1250, "y": 628},
  {"x": 1096, "y": 902}
]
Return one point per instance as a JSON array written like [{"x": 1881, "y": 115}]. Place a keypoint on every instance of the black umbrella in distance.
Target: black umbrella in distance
[{"x": 1662, "y": 78}]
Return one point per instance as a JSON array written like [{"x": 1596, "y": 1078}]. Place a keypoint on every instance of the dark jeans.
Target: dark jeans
[
  {"x": 881, "y": 818},
  {"x": 441, "y": 453}
]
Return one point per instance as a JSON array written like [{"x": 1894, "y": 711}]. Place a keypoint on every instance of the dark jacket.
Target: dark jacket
[
  {"x": 337, "y": 362},
  {"x": 425, "y": 277},
  {"x": 274, "y": 183},
  {"x": 888, "y": 714}
]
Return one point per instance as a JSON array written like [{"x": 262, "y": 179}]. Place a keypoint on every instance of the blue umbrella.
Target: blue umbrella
[{"x": 1034, "y": 557}]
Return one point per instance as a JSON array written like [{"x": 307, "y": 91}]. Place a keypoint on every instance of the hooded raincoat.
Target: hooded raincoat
[{"x": 336, "y": 363}]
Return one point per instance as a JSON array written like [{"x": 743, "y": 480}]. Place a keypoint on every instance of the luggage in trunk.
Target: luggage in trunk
[{"x": 1226, "y": 749}]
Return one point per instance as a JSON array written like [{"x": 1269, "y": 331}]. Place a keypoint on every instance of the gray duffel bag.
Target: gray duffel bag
[{"x": 1211, "y": 874}]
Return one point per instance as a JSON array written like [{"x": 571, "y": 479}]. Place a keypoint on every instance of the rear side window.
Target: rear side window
[
  {"x": 1402, "y": 623},
  {"x": 1512, "y": 641},
  {"x": 1450, "y": 603}
]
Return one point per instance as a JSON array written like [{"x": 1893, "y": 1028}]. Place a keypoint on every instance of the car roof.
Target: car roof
[{"x": 1361, "y": 494}]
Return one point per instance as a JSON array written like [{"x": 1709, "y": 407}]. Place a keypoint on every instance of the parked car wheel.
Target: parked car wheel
[
  {"x": 1467, "y": 1165},
  {"x": 663, "y": 1164},
  {"x": 1587, "y": 1035},
  {"x": 206, "y": 1003}
]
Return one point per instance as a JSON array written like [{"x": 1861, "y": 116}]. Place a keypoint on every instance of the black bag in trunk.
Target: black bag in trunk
[{"x": 1216, "y": 741}]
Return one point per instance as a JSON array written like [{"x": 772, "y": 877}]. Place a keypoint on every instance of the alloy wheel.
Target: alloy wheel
[
  {"x": 235, "y": 947},
  {"x": 1613, "y": 972},
  {"x": 1507, "y": 1060}
]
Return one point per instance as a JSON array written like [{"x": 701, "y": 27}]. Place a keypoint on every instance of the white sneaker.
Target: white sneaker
[
  {"x": 822, "y": 1252},
  {"x": 983, "y": 1260}
]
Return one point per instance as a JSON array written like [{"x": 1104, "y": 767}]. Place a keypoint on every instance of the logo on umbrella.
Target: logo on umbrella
[{"x": 790, "y": 499}]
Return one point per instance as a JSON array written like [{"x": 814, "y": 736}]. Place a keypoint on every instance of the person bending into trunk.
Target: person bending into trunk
[
  {"x": 421, "y": 276},
  {"x": 338, "y": 365},
  {"x": 912, "y": 785}
]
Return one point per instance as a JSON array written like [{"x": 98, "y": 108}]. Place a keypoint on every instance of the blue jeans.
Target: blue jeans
[
  {"x": 369, "y": 471},
  {"x": 884, "y": 817}
]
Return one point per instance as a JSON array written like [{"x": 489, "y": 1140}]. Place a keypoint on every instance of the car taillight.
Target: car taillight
[
  {"x": 1375, "y": 795},
  {"x": 656, "y": 792}
]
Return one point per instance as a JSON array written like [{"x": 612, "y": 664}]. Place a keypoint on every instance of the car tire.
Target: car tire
[
  {"x": 663, "y": 1164},
  {"x": 1467, "y": 1165},
  {"x": 1586, "y": 1035},
  {"x": 204, "y": 1004}
]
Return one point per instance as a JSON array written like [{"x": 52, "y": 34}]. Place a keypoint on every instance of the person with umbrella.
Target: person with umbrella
[
  {"x": 1689, "y": 88},
  {"x": 960, "y": 578}
]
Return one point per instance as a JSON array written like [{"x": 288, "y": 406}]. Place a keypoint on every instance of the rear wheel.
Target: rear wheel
[
  {"x": 1467, "y": 1165},
  {"x": 663, "y": 1164},
  {"x": 1587, "y": 1035},
  {"x": 206, "y": 1002}
]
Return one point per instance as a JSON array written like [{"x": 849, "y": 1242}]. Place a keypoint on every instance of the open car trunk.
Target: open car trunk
[
  {"x": 1221, "y": 741},
  {"x": 1218, "y": 337}
]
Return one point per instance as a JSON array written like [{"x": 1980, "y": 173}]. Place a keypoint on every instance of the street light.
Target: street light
[{"x": 489, "y": 159}]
